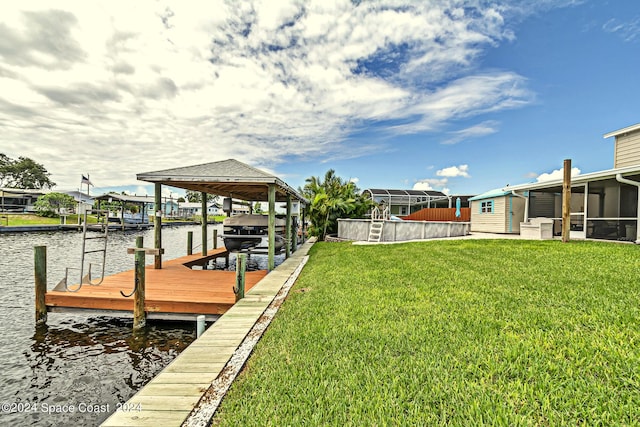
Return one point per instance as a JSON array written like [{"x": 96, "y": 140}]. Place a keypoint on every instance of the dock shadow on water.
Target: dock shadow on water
[{"x": 72, "y": 366}]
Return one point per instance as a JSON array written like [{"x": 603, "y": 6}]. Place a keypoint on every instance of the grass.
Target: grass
[
  {"x": 15, "y": 220},
  {"x": 451, "y": 333}
]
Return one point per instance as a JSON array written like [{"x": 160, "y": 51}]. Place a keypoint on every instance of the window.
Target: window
[{"x": 486, "y": 207}]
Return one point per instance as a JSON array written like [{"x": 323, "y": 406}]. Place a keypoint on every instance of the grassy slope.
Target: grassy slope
[{"x": 494, "y": 332}]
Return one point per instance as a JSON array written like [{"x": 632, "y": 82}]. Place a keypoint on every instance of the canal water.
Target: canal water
[{"x": 77, "y": 369}]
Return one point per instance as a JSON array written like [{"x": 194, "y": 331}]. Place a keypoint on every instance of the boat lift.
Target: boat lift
[{"x": 103, "y": 236}]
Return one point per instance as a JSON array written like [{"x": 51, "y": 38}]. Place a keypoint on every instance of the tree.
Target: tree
[
  {"x": 23, "y": 173},
  {"x": 51, "y": 204},
  {"x": 257, "y": 209},
  {"x": 196, "y": 197},
  {"x": 331, "y": 199}
]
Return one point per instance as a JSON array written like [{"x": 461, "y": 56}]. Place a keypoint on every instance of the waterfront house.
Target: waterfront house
[{"x": 604, "y": 204}]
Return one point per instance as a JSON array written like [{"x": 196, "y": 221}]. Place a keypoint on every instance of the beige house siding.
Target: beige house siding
[
  {"x": 508, "y": 212},
  {"x": 488, "y": 222},
  {"x": 627, "y": 150},
  {"x": 517, "y": 213}
]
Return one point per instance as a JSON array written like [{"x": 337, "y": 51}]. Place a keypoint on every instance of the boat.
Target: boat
[{"x": 246, "y": 231}]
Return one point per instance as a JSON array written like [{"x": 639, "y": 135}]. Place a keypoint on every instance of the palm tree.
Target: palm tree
[{"x": 331, "y": 199}]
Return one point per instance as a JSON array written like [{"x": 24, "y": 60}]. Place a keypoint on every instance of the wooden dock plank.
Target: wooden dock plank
[
  {"x": 146, "y": 418},
  {"x": 175, "y": 288},
  {"x": 204, "y": 359}
]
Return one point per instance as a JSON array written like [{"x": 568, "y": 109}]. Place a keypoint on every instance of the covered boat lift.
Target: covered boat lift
[{"x": 228, "y": 178}]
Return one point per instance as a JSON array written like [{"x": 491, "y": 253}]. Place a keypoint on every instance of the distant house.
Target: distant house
[
  {"x": 189, "y": 209},
  {"x": 19, "y": 200},
  {"x": 84, "y": 202},
  {"x": 604, "y": 204}
]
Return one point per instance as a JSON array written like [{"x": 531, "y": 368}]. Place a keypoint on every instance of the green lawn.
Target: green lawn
[
  {"x": 15, "y": 220},
  {"x": 451, "y": 333}
]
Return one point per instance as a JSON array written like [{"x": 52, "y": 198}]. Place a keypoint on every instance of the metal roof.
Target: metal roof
[
  {"x": 622, "y": 131},
  {"x": 418, "y": 193},
  {"x": 126, "y": 198},
  {"x": 498, "y": 192},
  {"x": 229, "y": 178}
]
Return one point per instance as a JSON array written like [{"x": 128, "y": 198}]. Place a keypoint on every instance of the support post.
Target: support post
[
  {"x": 157, "y": 226},
  {"x": 190, "y": 243},
  {"x": 241, "y": 267},
  {"x": 287, "y": 233},
  {"x": 215, "y": 238},
  {"x": 200, "y": 325},
  {"x": 139, "y": 316},
  {"x": 294, "y": 233},
  {"x": 271, "y": 263},
  {"x": 566, "y": 201},
  {"x": 204, "y": 223},
  {"x": 40, "y": 270}
]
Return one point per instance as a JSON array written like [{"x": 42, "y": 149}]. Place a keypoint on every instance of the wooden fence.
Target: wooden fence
[{"x": 439, "y": 214}]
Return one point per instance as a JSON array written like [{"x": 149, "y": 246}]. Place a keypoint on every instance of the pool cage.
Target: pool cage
[{"x": 406, "y": 202}]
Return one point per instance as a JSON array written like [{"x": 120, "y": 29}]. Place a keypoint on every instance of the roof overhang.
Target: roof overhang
[
  {"x": 622, "y": 131},
  {"x": 228, "y": 178},
  {"x": 577, "y": 179}
]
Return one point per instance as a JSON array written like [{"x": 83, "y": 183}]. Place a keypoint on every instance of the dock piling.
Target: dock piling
[
  {"x": 40, "y": 270},
  {"x": 215, "y": 239},
  {"x": 241, "y": 267},
  {"x": 200, "y": 325},
  {"x": 139, "y": 316},
  {"x": 190, "y": 243}
]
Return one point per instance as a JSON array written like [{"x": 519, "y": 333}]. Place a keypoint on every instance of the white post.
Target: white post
[{"x": 199, "y": 325}]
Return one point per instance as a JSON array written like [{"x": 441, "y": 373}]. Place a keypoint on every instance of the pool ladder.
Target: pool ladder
[
  {"x": 377, "y": 223},
  {"x": 87, "y": 279}
]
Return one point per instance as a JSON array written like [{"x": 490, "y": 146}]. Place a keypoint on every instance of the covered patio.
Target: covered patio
[
  {"x": 232, "y": 179},
  {"x": 604, "y": 205}
]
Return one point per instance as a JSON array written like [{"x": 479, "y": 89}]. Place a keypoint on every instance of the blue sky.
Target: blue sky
[{"x": 452, "y": 95}]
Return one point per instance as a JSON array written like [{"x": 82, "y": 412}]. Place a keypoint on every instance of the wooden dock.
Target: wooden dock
[
  {"x": 182, "y": 393},
  {"x": 174, "y": 292}
]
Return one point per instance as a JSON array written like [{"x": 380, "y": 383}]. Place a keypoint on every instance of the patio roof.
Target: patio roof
[
  {"x": 577, "y": 179},
  {"x": 228, "y": 178}
]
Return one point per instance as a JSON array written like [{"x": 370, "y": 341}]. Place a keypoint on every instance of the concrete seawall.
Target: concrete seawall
[{"x": 396, "y": 231}]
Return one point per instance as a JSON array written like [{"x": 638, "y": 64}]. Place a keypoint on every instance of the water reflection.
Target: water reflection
[{"x": 73, "y": 364}]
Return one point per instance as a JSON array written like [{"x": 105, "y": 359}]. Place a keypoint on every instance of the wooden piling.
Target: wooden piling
[
  {"x": 204, "y": 222},
  {"x": 190, "y": 243},
  {"x": 215, "y": 238},
  {"x": 157, "y": 225},
  {"x": 566, "y": 201},
  {"x": 271, "y": 262},
  {"x": 40, "y": 270},
  {"x": 287, "y": 234},
  {"x": 139, "y": 315},
  {"x": 241, "y": 268}
]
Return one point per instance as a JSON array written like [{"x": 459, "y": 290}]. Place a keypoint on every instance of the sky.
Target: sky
[{"x": 450, "y": 95}]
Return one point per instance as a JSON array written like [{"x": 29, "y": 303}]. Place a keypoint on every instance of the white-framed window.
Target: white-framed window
[{"x": 486, "y": 206}]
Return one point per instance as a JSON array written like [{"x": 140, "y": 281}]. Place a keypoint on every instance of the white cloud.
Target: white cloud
[
  {"x": 355, "y": 180},
  {"x": 629, "y": 30},
  {"x": 482, "y": 129},
  {"x": 431, "y": 184},
  {"x": 454, "y": 171},
  {"x": 116, "y": 90},
  {"x": 556, "y": 174}
]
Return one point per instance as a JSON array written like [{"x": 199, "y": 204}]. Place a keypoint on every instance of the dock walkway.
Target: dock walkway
[
  {"x": 174, "y": 292},
  {"x": 170, "y": 398}
]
